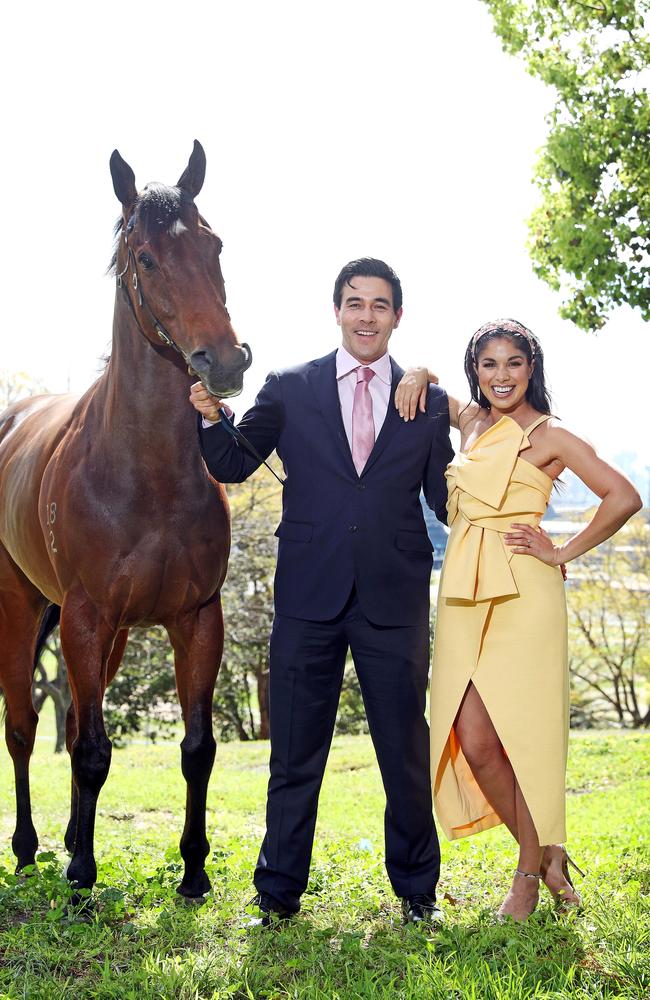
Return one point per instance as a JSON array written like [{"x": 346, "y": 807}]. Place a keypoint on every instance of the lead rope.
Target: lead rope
[{"x": 229, "y": 426}]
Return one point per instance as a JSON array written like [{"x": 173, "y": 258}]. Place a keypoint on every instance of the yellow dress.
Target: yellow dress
[{"x": 501, "y": 625}]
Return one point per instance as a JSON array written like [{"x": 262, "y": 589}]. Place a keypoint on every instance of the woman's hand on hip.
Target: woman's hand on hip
[{"x": 529, "y": 541}]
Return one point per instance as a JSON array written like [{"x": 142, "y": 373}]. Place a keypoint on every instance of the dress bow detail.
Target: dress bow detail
[{"x": 484, "y": 498}]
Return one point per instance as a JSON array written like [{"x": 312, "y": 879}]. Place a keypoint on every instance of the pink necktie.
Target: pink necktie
[{"x": 363, "y": 426}]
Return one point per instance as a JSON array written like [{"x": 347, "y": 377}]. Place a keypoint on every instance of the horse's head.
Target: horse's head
[{"x": 167, "y": 259}]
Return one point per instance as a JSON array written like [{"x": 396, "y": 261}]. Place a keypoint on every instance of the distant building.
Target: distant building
[
  {"x": 571, "y": 494},
  {"x": 438, "y": 534}
]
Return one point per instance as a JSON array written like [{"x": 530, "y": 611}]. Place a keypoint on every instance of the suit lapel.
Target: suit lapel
[
  {"x": 322, "y": 377},
  {"x": 391, "y": 422}
]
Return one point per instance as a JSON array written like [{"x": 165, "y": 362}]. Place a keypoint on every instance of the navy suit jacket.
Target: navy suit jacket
[{"x": 339, "y": 529}]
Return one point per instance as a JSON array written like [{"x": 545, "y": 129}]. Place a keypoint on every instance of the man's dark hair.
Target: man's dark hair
[{"x": 368, "y": 267}]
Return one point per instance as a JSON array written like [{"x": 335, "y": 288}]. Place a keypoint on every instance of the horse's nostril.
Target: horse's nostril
[{"x": 201, "y": 360}]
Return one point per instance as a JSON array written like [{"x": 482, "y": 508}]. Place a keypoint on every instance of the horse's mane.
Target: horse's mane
[{"x": 157, "y": 208}]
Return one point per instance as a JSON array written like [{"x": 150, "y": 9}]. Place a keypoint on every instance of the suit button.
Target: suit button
[
  {"x": 361, "y": 486},
  {"x": 353, "y": 527}
]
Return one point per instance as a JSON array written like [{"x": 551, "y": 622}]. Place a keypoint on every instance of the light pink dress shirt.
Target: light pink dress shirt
[{"x": 379, "y": 388}]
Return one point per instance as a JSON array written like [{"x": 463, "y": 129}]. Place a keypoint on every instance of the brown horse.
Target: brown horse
[{"x": 108, "y": 513}]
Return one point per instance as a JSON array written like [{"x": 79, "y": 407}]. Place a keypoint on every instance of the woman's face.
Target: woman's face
[{"x": 503, "y": 374}]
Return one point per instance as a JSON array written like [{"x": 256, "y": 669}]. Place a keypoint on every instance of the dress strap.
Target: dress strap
[{"x": 536, "y": 423}]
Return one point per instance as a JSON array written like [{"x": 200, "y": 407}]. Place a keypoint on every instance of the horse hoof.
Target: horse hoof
[
  {"x": 25, "y": 869},
  {"x": 195, "y": 890},
  {"x": 191, "y": 900},
  {"x": 81, "y": 908}
]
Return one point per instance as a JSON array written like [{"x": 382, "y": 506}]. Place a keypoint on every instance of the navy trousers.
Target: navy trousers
[{"x": 307, "y": 659}]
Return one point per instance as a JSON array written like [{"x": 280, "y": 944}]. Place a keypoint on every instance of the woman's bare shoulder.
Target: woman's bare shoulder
[
  {"x": 557, "y": 431},
  {"x": 468, "y": 415}
]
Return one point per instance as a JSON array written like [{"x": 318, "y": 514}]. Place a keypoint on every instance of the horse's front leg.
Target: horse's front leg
[
  {"x": 114, "y": 661},
  {"x": 198, "y": 644},
  {"x": 87, "y": 643}
]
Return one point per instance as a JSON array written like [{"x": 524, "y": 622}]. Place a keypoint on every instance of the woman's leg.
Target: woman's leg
[{"x": 496, "y": 779}]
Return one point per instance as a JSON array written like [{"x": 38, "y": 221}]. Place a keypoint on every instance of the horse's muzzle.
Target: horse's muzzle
[{"x": 219, "y": 379}]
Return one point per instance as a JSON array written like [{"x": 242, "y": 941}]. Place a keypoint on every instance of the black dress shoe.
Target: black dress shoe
[
  {"x": 421, "y": 908},
  {"x": 271, "y": 911}
]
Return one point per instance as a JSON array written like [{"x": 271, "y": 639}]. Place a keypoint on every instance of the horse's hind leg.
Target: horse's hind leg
[
  {"x": 87, "y": 642},
  {"x": 21, "y": 607},
  {"x": 198, "y": 643},
  {"x": 114, "y": 661}
]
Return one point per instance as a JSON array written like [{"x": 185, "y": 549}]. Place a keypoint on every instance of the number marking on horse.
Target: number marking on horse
[{"x": 50, "y": 518}]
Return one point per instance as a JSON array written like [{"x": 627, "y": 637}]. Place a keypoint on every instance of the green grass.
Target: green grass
[{"x": 143, "y": 942}]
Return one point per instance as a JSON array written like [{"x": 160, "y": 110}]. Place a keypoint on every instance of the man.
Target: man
[{"x": 353, "y": 569}]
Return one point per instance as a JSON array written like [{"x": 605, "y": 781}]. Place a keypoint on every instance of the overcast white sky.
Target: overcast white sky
[{"x": 356, "y": 128}]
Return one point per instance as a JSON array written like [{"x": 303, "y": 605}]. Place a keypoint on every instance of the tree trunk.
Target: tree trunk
[
  {"x": 262, "y": 677},
  {"x": 58, "y": 690}
]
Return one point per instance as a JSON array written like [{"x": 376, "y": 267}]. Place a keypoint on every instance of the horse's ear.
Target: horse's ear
[
  {"x": 191, "y": 180},
  {"x": 123, "y": 180}
]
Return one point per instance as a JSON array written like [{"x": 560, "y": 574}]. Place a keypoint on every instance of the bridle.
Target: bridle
[
  {"x": 169, "y": 341},
  {"x": 158, "y": 326}
]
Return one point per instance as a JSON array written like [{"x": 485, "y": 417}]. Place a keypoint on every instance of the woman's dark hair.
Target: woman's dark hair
[
  {"x": 536, "y": 394},
  {"x": 368, "y": 267}
]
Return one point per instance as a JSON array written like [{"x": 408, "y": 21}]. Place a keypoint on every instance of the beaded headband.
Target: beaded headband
[{"x": 509, "y": 328}]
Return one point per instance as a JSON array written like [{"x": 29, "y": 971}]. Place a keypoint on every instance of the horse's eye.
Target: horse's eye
[{"x": 146, "y": 261}]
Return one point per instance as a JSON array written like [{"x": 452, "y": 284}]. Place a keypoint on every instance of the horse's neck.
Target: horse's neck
[{"x": 143, "y": 398}]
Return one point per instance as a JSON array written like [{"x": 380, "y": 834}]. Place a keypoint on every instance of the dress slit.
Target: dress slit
[{"x": 489, "y": 817}]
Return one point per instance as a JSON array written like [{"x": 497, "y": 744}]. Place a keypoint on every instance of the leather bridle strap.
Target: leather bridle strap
[
  {"x": 169, "y": 341},
  {"x": 159, "y": 327}
]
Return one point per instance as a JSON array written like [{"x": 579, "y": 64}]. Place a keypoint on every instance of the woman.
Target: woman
[{"x": 499, "y": 683}]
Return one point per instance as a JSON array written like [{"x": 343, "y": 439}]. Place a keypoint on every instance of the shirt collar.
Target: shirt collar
[{"x": 345, "y": 363}]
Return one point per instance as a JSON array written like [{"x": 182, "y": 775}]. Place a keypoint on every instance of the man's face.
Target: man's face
[{"x": 367, "y": 317}]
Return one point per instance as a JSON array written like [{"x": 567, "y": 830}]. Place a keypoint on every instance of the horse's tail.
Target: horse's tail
[{"x": 49, "y": 621}]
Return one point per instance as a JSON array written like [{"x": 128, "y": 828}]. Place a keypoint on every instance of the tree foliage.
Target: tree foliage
[
  {"x": 242, "y": 694},
  {"x": 17, "y": 385},
  {"x": 141, "y": 699},
  {"x": 589, "y": 237},
  {"x": 609, "y": 631}
]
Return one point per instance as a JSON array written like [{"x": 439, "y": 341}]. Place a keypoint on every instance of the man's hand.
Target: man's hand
[{"x": 207, "y": 405}]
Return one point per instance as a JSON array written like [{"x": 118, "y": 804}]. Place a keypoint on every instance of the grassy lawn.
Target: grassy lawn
[{"x": 142, "y": 942}]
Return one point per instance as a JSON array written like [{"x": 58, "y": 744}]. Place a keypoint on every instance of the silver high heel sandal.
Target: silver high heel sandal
[{"x": 560, "y": 895}]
